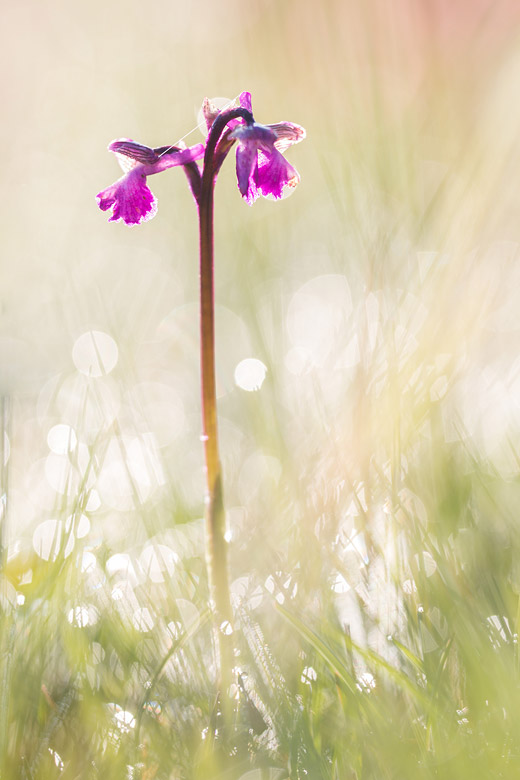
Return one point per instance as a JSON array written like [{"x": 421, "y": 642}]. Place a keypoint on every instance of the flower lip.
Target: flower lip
[{"x": 129, "y": 198}]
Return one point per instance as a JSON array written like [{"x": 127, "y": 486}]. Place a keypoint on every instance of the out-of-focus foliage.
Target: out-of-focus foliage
[{"x": 368, "y": 379}]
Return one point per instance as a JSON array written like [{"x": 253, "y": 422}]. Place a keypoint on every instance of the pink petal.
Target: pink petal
[
  {"x": 274, "y": 174},
  {"x": 247, "y": 161},
  {"x": 129, "y": 198},
  {"x": 129, "y": 148},
  {"x": 245, "y": 101},
  {"x": 130, "y": 154}
]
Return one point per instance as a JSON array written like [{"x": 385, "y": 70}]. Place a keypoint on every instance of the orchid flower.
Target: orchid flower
[
  {"x": 129, "y": 197},
  {"x": 261, "y": 167}
]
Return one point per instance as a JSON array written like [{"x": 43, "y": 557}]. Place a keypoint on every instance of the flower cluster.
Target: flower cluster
[{"x": 261, "y": 167}]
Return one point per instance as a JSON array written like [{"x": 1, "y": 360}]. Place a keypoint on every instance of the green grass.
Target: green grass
[{"x": 382, "y": 679}]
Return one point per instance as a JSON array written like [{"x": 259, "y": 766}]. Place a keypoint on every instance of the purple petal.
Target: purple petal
[
  {"x": 245, "y": 101},
  {"x": 129, "y": 198},
  {"x": 255, "y": 135},
  {"x": 247, "y": 162},
  {"x": 129, "y": 148},
  {"x": 274, "y": 174},
  {"x": 129, "y": 154}
]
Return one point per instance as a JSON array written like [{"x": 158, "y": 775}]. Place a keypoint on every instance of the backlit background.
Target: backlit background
[{"x": 369, "y": 440}]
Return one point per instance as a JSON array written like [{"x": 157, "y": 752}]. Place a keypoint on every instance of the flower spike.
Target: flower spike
[{"x": 260, "y": 165}]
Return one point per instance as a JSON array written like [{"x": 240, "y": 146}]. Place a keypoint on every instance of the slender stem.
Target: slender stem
[
  {"x": 215, "y": 518},
  {"x": 216, "y": 546},
  {"x": 207, "y": 341}
]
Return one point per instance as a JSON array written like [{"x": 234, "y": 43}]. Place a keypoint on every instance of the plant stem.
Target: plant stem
[
  {"x": 215, "y": 520},
  {"x": 216, "y": 546},
  {"x": 215, "y": 517}
]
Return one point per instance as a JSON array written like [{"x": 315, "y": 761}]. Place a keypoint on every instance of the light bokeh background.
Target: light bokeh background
[
  {"x": 388, "y": 279},
  {"x": 378, "y": 307}
]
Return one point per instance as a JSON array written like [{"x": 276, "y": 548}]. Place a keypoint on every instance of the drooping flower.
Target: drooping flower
[
  {"x": 261, "y": 167},
  {"x": 129, "y": 197}
]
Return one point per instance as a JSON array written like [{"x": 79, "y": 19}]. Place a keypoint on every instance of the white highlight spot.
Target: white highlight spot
[
  {"x": 95, "y": 353},
  {"x": 270, "y": 584},
  {"x": 250, "y": 374},
  {"x": 62, "y": 439},
  {"x": 80, "y": 523},
  {"x": 308, "y": 675},
  {"x": 340, "y": 585},
  {"x": 82, "y": 616},
  {"x": 366, "y": 682},
  {"x": 124, "y": 721},
  {"x": 121, "y": 563},
  {"x": 48, "y": 538},
  {"x": 57, "y": 759}
]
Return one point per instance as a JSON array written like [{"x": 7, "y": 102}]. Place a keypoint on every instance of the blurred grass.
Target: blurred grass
[{"x": 372, "y": 482}]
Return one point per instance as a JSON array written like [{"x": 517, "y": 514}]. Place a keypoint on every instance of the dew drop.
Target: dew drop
[{"x": 250, "y": 374}]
